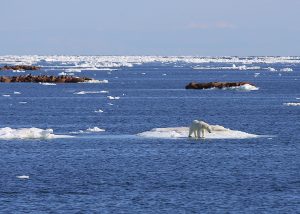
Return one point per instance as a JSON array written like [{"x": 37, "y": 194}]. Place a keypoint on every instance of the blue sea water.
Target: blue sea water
[{"x": 118, "y": 172}]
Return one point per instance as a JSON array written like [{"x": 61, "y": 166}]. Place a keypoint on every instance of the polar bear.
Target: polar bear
[{"x": 197, "y": 127}]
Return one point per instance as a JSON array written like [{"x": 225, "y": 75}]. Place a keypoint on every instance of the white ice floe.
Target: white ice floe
[
  {"x": 23, "y": 176},
  {"x": 291, "y": 104},
  {"x": 18, "y": 71},
  {"x": 95, "y": 81},
  {"x": 8, "y": 133},
  {"x": 16, "y": 92},
  {"x": 88, "y": 92},
  {"x": 95, "y": 129},
  {"x": 218, "y": 132},
  {"x": 233, "y": 67},
  {"x": 246, "y": 87},
  {"x": 99, "y": 111},
  {"x": 72, "y": 70},
  {"x": 256, "y": 74},
  {"x": 271, "y": 69},
  {"x": 113, "y": 98},
  {"x": 6, "y": 95},
  {"x": 22, "y": 102},
  {"x": 46, "y": 83},
  {"x": 286, "y": 69}
]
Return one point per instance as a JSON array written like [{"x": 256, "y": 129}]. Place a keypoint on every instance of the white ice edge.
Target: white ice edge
[
  {"x": 8, "y": 133},
  {"x": 106, "y": 63},
  {"x": 219, "y": 132}
]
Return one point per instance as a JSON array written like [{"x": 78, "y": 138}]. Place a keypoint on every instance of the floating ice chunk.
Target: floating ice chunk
[
  {"x": 286, "y": 69},
  {"x": 72, "y": 70},
  {"x": 22, "y": 102},
  {"x": 18, "y": 71},
  {"x": 8, "y": 133},
  {"x": 113, "y": 98},
  {"x": 16, "y": 92},
  {"x": 46, "y": 83},
  {"x": 99, "y": 111},
  {"x": 104, "y": 92},
  {"x": 23, "y": 176},
  {"x": 256, "y": 74},
  {"x": 6, "y": 95},
  {"x": 164, "y": 74},
  {"x": 246, "y": 87},
  {"x": 95, "y": 129},
  {"x": 271, "y": 69},
  {"x": 96, "y": 81},
  {"x": 218, "y": 132},
  {"x": 291, "y": 104},
  {"x": 88, "y": 92},
  {"x": 110, "y": 104}
]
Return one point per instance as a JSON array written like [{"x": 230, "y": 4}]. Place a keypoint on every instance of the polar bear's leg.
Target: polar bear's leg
[
  {"x": 198, "y": 133},
  {"x": 190, "y": 131},
  {"x": 203, "y": 132}
]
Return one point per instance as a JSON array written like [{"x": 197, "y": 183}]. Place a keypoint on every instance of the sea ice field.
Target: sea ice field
[{"x": 120, "y": 144}]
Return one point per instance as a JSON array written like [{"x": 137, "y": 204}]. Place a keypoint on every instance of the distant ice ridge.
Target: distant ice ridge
[
  {"x": 112, "y": 62},
  {"x": 8, "y": 133},
  {"x": 219, "y": 132},
  {"x": 291, "y": 104}
]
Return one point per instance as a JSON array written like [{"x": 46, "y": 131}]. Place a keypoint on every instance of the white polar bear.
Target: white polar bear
[{"x": 197, "y": 127}]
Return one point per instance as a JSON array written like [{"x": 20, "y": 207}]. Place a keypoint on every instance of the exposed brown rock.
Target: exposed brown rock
[
  {"x": 20, "y": 67},
  {"x": 220, "y": 85},
  {"x": 43, "y": 78}
]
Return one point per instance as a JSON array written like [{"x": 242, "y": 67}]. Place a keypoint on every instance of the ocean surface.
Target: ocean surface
[{"x": 95, "y": 161}]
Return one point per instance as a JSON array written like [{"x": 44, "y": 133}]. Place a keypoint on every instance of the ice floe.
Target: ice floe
[
  {"x": 23, "y": 176},
  {"x": 88, "y": 92},
  {"x": 95, "y": 81},
  {"x": 99, "y": 111},
  {"x": 113, "y": 98},
  {"x": 6, "y": 95},
  {"x": 286, "y": 69},
  {"x": 291, "y": 104},
  {"x": 8, "y": 133},
  {"x": 218, "y": 132},
  {"x": 46, "y": 83},
  {"x": 95, "y": 129},
  {"x": 16, "y": 92}
]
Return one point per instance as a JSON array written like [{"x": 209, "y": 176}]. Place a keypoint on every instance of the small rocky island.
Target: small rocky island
[
  {"x": 220, "y": 85},
  {"x": 44, "y": 79},
  {"x": 20, "y": 67}
]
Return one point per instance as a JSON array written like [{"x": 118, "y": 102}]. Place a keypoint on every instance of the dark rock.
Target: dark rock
[
  {"x": 20, "y": 67},
  {"x": 220, "y": 85},
  {"x": 43, "y": 79}
]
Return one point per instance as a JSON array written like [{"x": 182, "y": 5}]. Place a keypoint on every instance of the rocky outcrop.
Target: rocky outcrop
[
  {"x": 20, "y": 67},
  {"x": 43, "y": 79},
  {"x": 220, "y": 85}
]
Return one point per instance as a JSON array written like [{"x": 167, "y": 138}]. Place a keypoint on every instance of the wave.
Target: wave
[
  {"x": 218, "y": 132},
  {"x": 8, "y": 133}
]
